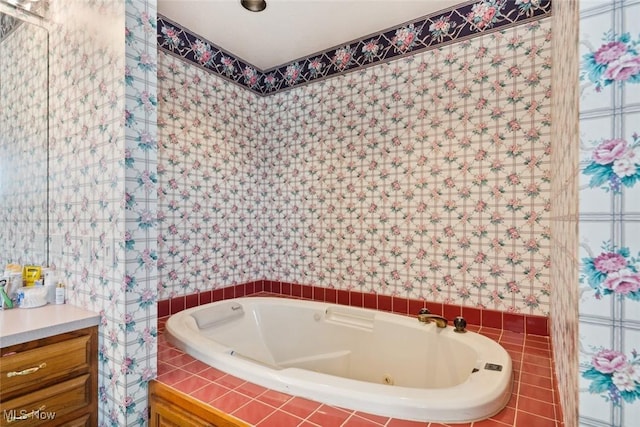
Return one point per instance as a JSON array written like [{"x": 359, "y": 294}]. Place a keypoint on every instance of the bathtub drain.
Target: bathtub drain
[{"x": 387, "y": 379}]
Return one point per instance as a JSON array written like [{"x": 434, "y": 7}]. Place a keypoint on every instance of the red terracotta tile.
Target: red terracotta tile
[
  {"x": 536, "y": 380},
  {"x": 328, "y": 416},
  {"x": 195, "y": 366},
  {"x": 174, "y": 376},
  {"x": 228, "y": 292},
  {"x": 415, "y": 306},
  {"x": 343, "y": 297},
  {"x": 534, "y": 406},
  {"x": 169, "y": 353},
  {"x": 307, "y": 291},
  {"x": 190, "y": 384},
  {"x": 506, "y": 416},
  {"x": 177, "y": 304},
  {"x": 513, "y": 351},
  {"x": 284, "y": 289},
  {"x": 250, "y": 288},
  {"x": 371, "y": 417},
  {"x": 370, "y": 300},
  {"x": 231, "y": 401},
  {"x": 490, "y": 423},
  {"x": 356, "y": 299},
  {"x": 274, "y": 398},
  {"x": 434, "y": 308},
  {"x": 513, "y": 400},
  {"x": 400, "y": 305},
  {"x": 472, "y": 315},
  {"x": 267, "y": 286},
  {"x": 218, "y": 294},
  {"x": 300, "y": 406},
  {"x": 205, "y": 297},
  {"x": 492, "y": 319},
  {"x": 450, "y": 311},
  {"x": 394, "y": 422},
  {"x": 385, "y": 303},
  {"x": 537, "y": 338},
  {"x": 212, "y": 374},
  {"x": 536, "y": 360},
  {"x": 230, "y": 381},
  {"x": 538, "y": 393},
  {"x": 210, "y": 392},
  {"x": 250, "y": 389},
  {"x": 239, "y": 291},
  {"x": 280, "y": 419},
  {"x": 541, "y": 352},
  {"x": 163, "y": 368},
  {"x": 512, "y": 337},
  {"x": 191, "y": 300},
  {"x": 253, "y": 412},
  {"x": 528, "y": 419},
  {"x": 318, "y": 293},
  {"x": 537, "y": 325},
  {"x": 180, "y": 360},
  {"x": 356, "y": 421},
  {"x": 164, "y": 308},
  {"x": 296, "y": 290},
  {"x": 513, "y": 322},
  {"x": 331, "y": 295}
]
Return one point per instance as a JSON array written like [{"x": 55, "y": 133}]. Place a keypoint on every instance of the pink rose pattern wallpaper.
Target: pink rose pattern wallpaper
[
  {"x": 426, "y": 177},
  {"x": 23, "y": 139},
  {"x": 103, "y": 150},
  {"x": 609, "y": 249}
]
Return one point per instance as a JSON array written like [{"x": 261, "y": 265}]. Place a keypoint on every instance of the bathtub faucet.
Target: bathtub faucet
[{"x": 425, "y": 316}]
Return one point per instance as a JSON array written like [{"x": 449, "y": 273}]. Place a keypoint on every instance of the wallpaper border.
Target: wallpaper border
[{"x": 467, "y": 20}]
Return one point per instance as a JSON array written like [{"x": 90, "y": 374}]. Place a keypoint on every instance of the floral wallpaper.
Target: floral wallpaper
[
  {"x": 210, "y": 185},
  {"x": 609, "y": 282},
  {"x": 426, "y": 177},
  {"x": 102, "y": 218},
  {"x": 23, "y": 144},
  {"x": 453, "y": 25}
]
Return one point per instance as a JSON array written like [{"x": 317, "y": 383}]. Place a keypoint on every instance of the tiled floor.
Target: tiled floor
[{"x": 532, "y": 402}]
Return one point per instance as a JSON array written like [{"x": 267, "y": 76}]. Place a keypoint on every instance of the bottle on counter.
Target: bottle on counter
[{"x": 60, "y": 293}]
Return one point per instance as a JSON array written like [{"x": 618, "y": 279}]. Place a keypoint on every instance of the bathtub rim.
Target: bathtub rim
[{"x": 432, "y": 405}]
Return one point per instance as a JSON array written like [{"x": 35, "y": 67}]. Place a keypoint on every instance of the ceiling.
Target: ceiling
[{"x": 291, "y": 29}]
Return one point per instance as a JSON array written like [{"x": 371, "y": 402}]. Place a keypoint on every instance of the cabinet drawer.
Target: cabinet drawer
[
  {"x": 44, "y": 365},
  {"x": 44, "y": 406}
]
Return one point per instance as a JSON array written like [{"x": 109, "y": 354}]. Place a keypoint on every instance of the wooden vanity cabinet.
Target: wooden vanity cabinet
[
  {"x": 171, "y": 408},
  {"x": 52, "y": 381}
]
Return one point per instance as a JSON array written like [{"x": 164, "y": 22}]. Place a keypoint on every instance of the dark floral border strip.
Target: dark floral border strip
[
  {"x": 464, "y": 21},
  {"x": 7, "y": 24}
]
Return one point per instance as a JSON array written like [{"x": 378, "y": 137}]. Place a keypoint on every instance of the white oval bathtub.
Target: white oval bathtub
[{"x": 360, "y": 359}]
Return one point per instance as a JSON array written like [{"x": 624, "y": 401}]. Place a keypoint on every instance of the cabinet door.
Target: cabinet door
[
  {"x": 44, "y": 406},
  {"x": 172, "y": 408},
  {"x": 164, "y": 414}
]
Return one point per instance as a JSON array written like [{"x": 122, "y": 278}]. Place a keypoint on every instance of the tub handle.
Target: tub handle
[{"x": 236, "y": 307}]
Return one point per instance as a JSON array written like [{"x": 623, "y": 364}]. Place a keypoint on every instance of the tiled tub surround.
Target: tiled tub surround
[
  {"x": 513, "y": 322},
  {"x": 534, "y": 400}
]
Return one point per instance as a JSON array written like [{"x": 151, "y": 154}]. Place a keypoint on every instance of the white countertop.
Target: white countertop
[{"x": 19, "y": 325}]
